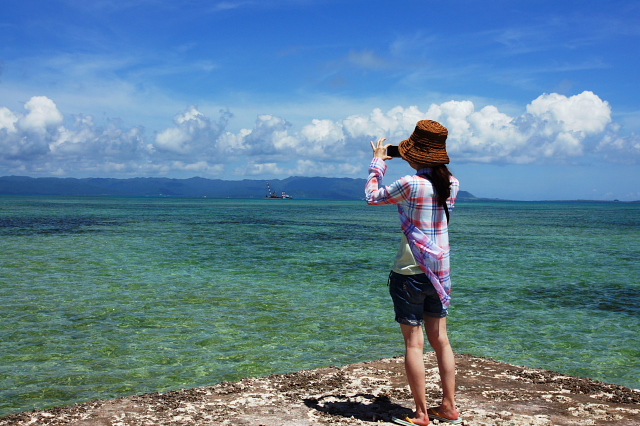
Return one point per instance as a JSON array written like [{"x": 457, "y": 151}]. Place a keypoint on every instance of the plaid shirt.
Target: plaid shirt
[{"x": 423, "y": 220}]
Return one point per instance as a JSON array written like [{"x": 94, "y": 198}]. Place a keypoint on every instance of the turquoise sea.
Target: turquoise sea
[{"x": 104, "y": 297}]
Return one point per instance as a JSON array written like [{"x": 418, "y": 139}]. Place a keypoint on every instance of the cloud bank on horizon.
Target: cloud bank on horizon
[{"x": 555, "y": 128}]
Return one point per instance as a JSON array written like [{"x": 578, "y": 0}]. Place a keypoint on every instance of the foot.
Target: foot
[
  {"x": 412, "y": 421},
  {"x": 424, "y": 421},
  {"x": 444, "y": 414}
]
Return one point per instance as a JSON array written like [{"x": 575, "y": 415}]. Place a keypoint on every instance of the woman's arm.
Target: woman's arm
[{"x": 375, "y": 192}]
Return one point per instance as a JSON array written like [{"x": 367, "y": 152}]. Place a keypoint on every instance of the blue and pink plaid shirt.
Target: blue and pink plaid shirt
[{"x": 423, "y": 220}]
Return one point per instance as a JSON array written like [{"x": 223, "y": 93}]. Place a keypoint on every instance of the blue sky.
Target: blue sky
[{"x": 540, "y": 97}]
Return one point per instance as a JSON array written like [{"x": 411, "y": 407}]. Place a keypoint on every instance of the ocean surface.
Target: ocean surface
[{"x": 105, "y": 297}]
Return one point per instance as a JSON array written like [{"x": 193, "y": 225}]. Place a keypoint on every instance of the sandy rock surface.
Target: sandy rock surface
[{"x": 489, "y": 393}]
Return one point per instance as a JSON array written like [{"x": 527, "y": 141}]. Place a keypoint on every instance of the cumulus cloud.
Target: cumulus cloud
[
  {"x": 623, "y": 149},
  {"x": 553, "y": 127},
  {"x": 192, "y": 133},
  {"x": 27, "y": 135}
]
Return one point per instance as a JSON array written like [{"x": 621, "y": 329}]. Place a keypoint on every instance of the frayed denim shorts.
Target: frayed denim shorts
[{"x": 414, "y": 297}]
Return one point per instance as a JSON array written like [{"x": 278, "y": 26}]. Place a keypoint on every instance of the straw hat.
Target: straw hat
[{"x": 427, "y": 144}]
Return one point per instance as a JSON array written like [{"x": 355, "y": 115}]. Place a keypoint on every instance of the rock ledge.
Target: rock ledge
[{"x": 489, "y": 393}]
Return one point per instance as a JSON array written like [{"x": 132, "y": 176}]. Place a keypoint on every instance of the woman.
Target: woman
[{"x": 420, "y": 284}]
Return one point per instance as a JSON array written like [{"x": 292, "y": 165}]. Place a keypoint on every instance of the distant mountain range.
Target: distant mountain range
[{"x": 297, "y": 187}]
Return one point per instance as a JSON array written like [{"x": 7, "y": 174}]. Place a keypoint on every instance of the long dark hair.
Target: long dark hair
[{"x": 440, "y": 179}]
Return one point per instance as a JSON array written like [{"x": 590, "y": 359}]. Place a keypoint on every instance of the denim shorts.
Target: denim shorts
[{"x": 414, "y": 297}]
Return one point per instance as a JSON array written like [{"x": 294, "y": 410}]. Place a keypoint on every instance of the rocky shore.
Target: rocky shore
[{"x": 489, "y": 393}]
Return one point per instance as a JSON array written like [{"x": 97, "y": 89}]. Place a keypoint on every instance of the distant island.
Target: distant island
[{"x": 297, "y": 187}]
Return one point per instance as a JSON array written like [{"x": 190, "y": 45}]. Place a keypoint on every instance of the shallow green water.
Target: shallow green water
[{"x": 104, "y": 297}]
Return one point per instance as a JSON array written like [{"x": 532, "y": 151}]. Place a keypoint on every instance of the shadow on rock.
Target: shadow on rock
[{"x": 366, "y": 407}]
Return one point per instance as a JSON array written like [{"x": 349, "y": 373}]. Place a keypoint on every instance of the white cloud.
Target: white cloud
[
  {"x": 585, "y": 112},
  {"x": 192, "y": 133},
  {"x": 231, "y": 143},
  {"x": 320, "y": 137},
  {"x": 85, "y": 141},
  {"x": 554, "y": 128},
  {"x": 269, "y": 136},
  {"x": 42, "y": 115},
  {"x": 8, "y": 120},
  {"x": 27, "y": 135},
  {"x": 623, "y": 149}
]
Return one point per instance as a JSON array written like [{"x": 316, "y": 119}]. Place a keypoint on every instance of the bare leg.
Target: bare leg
[
  {"x": 436, "y": 329},
  {"x": 414, "y": 367}
]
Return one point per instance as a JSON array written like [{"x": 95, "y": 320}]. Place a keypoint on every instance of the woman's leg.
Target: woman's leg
[
  {"x": 436, "y": 329},
  {"x": 414, "y": 367}
]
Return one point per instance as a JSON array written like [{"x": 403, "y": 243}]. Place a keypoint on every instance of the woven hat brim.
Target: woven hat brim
[{"x": 423, "y": 154}]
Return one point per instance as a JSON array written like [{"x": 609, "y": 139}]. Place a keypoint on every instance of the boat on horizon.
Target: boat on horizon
[{"x": 271, "y": 195}]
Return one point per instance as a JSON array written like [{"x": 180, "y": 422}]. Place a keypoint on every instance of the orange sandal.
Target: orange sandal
[{"x": 434, "y": 415}]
